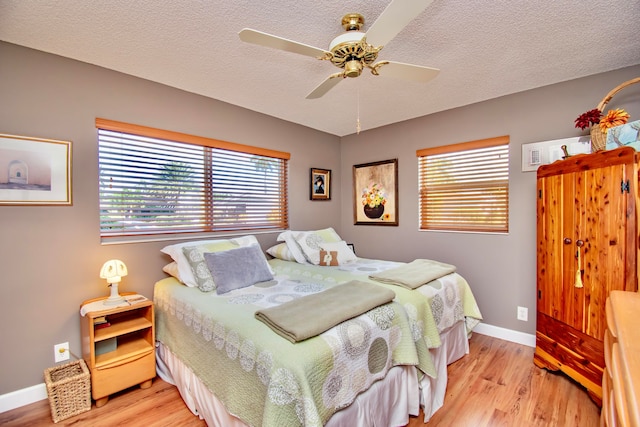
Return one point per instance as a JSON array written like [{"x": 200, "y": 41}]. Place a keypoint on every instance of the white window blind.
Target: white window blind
[
  {"x": 157, "y": 182},
  {"x": 465, "y": 187}
]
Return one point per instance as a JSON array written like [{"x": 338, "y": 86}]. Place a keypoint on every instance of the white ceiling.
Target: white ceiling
[{"x": 484, "y": 49}]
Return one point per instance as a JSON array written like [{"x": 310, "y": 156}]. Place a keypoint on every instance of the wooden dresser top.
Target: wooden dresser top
[{"x": 625, "y": 315}]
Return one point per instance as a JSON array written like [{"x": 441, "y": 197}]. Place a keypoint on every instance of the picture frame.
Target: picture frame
[
  {"x": 375, "y": 193},
  {"x": 320, "y": 184},
  {"x": 352, "y": 247},
  {"x": 34, "y": 171}
]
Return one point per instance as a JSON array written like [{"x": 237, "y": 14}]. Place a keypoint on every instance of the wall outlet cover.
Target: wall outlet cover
[
  {"x": 523, "y": 313},
  {"x": 61, "y": 352}
]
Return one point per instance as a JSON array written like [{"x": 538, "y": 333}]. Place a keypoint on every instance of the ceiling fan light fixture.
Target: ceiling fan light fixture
[{"x": 352, "y": 68}]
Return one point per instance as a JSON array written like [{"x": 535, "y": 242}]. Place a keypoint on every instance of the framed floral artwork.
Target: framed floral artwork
[
  {"x": 320, "y": 188},
  {"x": 375, "y": 193},
  {"x": 34, "y": 171}
]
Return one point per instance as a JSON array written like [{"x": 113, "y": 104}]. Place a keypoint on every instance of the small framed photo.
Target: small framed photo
[
  {"x": 34, "y": 171},
  {"x": 320, "y": 188}
]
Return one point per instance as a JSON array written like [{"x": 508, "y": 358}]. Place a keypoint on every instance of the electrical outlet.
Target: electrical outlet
[
  {"x": 523, "y": 313},
  {"x": 61, "y": 352}
]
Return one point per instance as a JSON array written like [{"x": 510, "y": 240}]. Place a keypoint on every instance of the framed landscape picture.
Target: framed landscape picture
[
  {"x": 375, "y": 193},
  {"x": 320, "y": 185},
  {"x": 34, "y": 171}
]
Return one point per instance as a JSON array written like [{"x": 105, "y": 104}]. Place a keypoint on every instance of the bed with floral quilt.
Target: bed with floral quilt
[{"x": 375, "y": 366}]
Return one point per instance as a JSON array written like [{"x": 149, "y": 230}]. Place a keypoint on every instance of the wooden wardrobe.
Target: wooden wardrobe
[{"x": 587, "y": 246}]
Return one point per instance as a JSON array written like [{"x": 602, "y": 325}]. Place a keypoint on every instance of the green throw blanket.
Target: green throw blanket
[{"x": 313, "y": 314}]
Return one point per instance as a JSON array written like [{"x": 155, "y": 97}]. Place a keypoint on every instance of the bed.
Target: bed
[{"x": 374, "y": 369}]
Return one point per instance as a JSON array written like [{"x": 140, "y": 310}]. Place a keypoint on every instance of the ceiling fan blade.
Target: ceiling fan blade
[
  {"x": 263, "y": 39},
  {"x": 393, "y": 19},
  {"x": 400, "y": 70},
  {"x": 326, "y": 85}
]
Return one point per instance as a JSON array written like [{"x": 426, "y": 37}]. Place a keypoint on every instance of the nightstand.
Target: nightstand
[{"x": 118, "y": 346}]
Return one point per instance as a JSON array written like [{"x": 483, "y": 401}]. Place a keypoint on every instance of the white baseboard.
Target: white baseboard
[
  {"x": 506, "y": 334},
  {"x": 28, "y": 395},
  {"x": 23, "y": 397}
]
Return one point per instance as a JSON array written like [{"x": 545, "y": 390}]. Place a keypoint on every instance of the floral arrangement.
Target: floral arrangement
[
  {"x": 616, "y": 117},
  {"x": 373, "y": 196}
]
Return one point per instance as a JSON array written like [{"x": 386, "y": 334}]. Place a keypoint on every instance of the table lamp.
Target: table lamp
[{"x": 113, "y": 270}]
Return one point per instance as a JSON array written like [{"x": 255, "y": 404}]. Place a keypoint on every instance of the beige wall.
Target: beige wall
[{"x": 51, "y": 256}]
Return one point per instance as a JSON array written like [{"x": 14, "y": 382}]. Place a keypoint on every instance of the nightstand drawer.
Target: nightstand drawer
[{"x": 106, "y": 381}]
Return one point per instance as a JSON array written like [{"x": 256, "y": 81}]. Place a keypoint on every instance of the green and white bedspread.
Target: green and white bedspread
[
  {"x": 446, "y": 301},
  {"x": 263, "y": 378}
]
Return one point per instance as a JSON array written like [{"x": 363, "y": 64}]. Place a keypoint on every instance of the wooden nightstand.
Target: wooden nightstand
[{"x": 118, "y": 346}]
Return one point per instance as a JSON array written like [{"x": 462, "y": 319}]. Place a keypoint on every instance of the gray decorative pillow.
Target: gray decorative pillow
[{"x": 238, "y": 268}]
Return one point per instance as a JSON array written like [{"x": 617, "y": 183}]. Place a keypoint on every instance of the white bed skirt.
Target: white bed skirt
[
  {"x": 455, "y": 344},
  {"x": 388, "y": 402}
]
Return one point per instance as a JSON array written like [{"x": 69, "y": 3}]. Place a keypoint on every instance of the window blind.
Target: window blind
[
  {"x": 465, "y": 187},
  {"x": 159, "y": 182}
]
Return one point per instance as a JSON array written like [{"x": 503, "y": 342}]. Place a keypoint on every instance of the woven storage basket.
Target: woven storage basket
[
  {"x": 69, "y": 389},
  {"x": 599, "y": 138}
]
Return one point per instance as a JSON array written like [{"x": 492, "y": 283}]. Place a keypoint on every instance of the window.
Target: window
[
  {"x": 465, "y": 187},
  {"x": 157, "y": 182}
]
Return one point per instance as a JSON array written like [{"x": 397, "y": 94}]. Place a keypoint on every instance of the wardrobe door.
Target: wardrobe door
[
  {"x": 608, "y": 255},
  {"x": 555, "y": 217}
]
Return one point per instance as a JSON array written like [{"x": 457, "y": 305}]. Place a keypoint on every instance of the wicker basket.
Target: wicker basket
[
  {"x": 599, "y": 138},
  {"x": 69, "y": 389}
]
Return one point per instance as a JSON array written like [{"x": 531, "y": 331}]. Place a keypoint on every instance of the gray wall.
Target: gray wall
[
  {"x": 51, "y": 256},
  {"x": 501, "y": 269}
]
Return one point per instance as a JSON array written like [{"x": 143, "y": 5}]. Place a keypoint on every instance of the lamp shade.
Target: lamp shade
[{"x": 113, "y": 270}]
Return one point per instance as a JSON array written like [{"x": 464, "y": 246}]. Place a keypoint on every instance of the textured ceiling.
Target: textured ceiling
[{"x": 484, "y": 49}]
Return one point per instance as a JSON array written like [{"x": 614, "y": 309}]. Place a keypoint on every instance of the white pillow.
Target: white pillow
[
  {"x": 291, "y": 239},
  {"x": 281, "y": 251},
  {"x": 172, "y": 270},
  {"x": 345, "y": 254}
]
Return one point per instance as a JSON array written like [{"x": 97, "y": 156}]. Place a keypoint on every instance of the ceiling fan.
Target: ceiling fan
[{"x": 355, "y": 50}]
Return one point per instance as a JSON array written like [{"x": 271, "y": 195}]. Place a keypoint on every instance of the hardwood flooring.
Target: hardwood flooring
[{"x": 496, "y": 384}]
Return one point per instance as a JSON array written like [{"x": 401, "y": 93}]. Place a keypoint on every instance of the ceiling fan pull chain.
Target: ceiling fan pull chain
[{"x": 358, "y": 108}]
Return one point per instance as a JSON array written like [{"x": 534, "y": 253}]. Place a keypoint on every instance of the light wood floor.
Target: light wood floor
[{"x": 497, "y": 384}]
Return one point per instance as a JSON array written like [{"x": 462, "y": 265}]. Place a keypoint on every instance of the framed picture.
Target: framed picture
[
  {"x": 375, "y": 193},
  {"x": 34, "y": 171},
  {"x": 320, "y": 188},
  {"x": 352, "y": 247}
]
